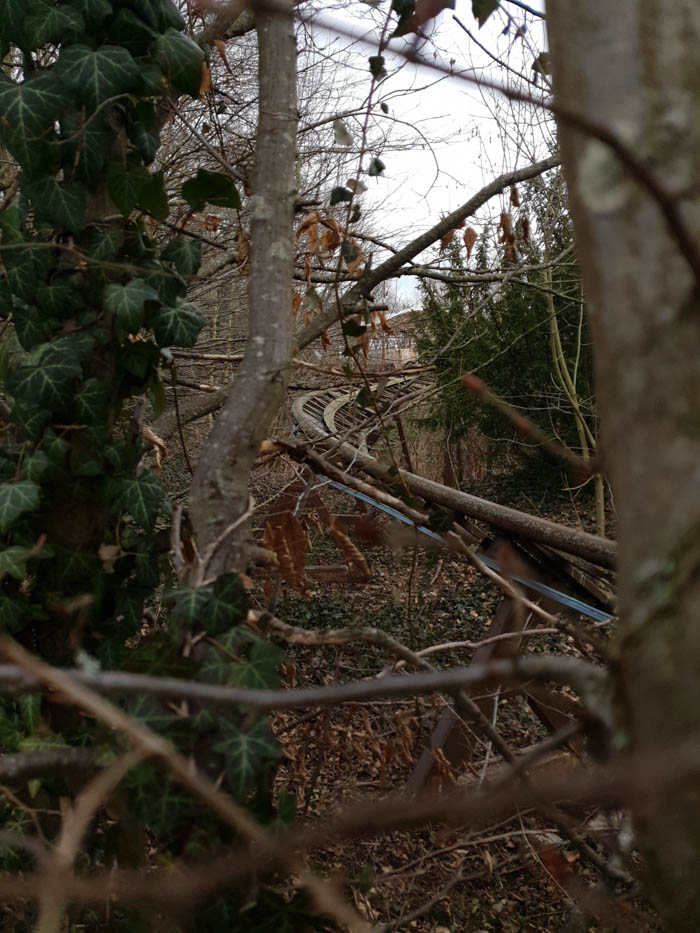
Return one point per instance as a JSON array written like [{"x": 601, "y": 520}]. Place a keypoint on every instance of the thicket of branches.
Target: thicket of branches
[{"x": 185, "y": 210}]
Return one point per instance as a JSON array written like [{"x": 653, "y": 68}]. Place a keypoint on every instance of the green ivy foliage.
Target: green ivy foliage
[{"x": 93, "y": 302}]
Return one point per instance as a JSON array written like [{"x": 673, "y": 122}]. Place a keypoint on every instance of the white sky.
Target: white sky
[{"x": 467, "y": 150}]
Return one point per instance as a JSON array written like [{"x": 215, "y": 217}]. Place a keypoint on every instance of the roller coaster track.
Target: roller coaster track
[{"x": 333, "y": 419}]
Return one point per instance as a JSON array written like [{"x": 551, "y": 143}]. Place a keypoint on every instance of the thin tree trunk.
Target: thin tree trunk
[
  {"x": 633, "y": 67},
  {"x": 219, "y": 497}
]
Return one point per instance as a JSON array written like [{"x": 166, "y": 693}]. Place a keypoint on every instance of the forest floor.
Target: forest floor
[{"x": 521, "y": 874}]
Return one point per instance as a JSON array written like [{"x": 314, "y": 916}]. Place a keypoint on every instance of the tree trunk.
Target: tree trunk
[
  {"x": 633, "y": 68},
  {"x": 219, "y": 497}
]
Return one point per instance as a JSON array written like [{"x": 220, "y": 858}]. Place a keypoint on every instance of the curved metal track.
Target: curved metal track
[{"x": 330, "y": 416}]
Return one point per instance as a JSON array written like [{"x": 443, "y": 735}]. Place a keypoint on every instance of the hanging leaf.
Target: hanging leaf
[
  {"x": 213, "y": 188},
  {"x": 376, "y": 67},
  {"x": 445, "y": 241},
  {"x": 153, "y": 198},
  {"x": 470, "y": 238},
  {"x": 542, "y": 64},
  {"x": 482, "y": 9},
  {"x": 376, "y": 167},
  {"x": 424, "y": 11},
  {"x": 352, "y": 329},
  {"x": 340, "y": 194}
]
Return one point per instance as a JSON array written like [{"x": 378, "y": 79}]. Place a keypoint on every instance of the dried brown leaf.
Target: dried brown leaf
[
  {"x": 447, "y": 238},
  {"x": 470, "y": 238}
]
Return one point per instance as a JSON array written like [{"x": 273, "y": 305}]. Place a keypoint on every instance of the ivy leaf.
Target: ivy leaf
[
  {"x": 58, "y": 298},
  {"x": 52, "y": 24},
  {"x": 31, "y": 419},
  {"x": 13, "y": 561},
  {"x": 13, "y": 16},
  {"x": 482, "y": 9},
  {"x": 124, "y": 183},
  {"x": 47, "y": 378},
  {"x": 245, "y": 752},
  {"x": 104, "y": 244},
  {"x": 85, "y": 144},
  {"x": 137, "y": 359},
  {"x": 153, "y": 198},
  {"x": 146, "y": 140},
  {"x": 178, "y": 326},
  {"x": 91, "y": 401},
  {"x": 34, "y": 467},
  {"x": 95, "y": 75},
  {"x": 12, "y": 614},
  {"x": 15, "y": 500},
  {"x": 340, "y": 194},
  {"x": 58, "y": 203},
  {"x": 32, "y": 326},
  {"x": 132, "y": 32},
  {"x": 213, "y": 188},
  {"x": 190, "y": 604},
  {"x": 127, "y": 301},
  {"x": 73, "y": 566},
  {"x": 259, "y": 671},
  {"x": 26, "y": 265},
  {"x": 141, "y": 497},
  {"x": 376, "y": 167},
  {"x": 27, "y": 116},
  {"x": 162, "y": 14},
  {"x": 181, "y": 60},
  {"x": 92, "y": 11},
  {"x": 228, "y": 605},
  {"x": 185, "y": 254}
]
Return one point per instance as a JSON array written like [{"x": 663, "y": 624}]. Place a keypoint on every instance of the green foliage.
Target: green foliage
[
  {"x": 93, "y": 300},
  {"x": 502, "y": 333},
  {"x": 212, "y": 188}
]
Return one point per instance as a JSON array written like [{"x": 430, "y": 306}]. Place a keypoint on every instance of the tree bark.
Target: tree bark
[
  {"x": 219, "y": 496},
  {"x": 633, "y": 67}
]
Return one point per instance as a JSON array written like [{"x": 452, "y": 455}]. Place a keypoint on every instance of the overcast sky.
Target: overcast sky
[{"x": 462, "y": 147}]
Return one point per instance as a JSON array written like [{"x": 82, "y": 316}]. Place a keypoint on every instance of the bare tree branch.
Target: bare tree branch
[{"x": 587, "y": 679}]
